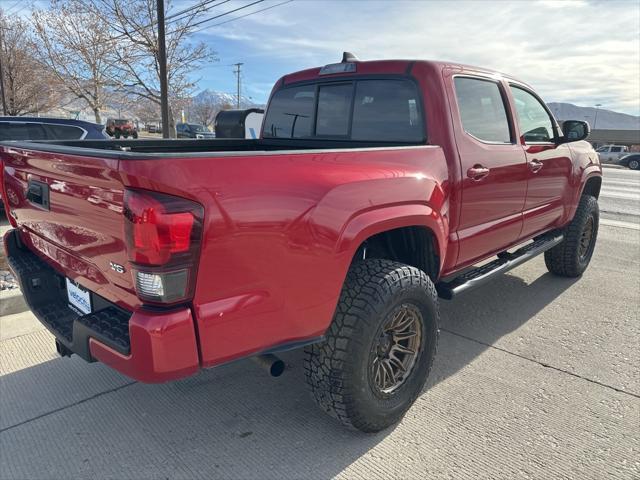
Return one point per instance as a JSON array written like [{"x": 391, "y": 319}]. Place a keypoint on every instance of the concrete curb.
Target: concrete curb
[{"x": 11, "y": 302}]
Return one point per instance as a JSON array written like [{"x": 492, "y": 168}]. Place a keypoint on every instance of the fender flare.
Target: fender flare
[
  {"x": 368, "y": 223},
  {"x": 588, "y": 175}
]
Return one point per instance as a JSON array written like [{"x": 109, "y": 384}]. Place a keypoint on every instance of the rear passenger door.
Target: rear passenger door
[{"x": 493, "y": 169}]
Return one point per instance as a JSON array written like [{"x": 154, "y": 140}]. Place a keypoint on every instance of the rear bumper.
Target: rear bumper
[{"x": 149, "y": 346}]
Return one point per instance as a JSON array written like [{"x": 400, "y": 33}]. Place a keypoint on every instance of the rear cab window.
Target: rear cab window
[
  {"x": 370, "y": 110},
  {"x": 482, "y": 109}
]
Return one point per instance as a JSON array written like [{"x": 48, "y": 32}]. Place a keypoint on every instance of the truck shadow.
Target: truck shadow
[{"x": 230, "y": 422}]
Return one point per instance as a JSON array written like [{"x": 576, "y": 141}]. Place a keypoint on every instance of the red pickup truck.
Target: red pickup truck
[{"x": 375, "y": 188}]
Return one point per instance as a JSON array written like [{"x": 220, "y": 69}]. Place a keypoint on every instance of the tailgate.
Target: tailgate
[{"x": 69, "y": 211}]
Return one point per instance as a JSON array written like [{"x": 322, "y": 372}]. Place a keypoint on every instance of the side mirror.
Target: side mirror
[{"x": 574, "y": 130}]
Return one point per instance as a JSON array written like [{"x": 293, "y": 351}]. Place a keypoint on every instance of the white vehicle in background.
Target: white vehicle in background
[
  {"x": 239, "y": 123},
  {"x": 611, "y": 153}
]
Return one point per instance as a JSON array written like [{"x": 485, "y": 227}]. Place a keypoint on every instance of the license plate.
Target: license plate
[{"x": 79, "y": 298}]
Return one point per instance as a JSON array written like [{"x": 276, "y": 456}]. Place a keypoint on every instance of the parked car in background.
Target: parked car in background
[
  {"x": 632, "y": 161},
  {"x": 40, "y": 128},
  {"x": 612, "y": 153},
  {"x": 121, "y": 128},
  {"x": 193, "y": 130}
]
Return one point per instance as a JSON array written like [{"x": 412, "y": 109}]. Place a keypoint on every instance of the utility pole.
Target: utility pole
[
  {"x": 595, "y": 120},
  {"x": 4, "y": 99},
  {"x": 237, "y": 72},
  {"x": 162, "y": 62}
]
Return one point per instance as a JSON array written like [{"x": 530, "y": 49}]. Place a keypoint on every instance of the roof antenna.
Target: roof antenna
[{"x": 349, "y": 57}]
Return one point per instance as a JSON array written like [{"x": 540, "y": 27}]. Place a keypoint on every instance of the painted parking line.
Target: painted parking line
[{"x": 620, "y": 224}]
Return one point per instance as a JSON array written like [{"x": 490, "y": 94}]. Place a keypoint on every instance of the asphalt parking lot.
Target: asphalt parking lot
[{"x": 536, "y": 377}]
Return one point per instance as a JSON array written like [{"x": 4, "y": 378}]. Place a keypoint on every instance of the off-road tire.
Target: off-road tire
[
  {"x": 117, "y": 134},
  {"x": 565, "y": 259},
  {"x": 338, "y": 369},
  {"x": 134, "y": 135}
]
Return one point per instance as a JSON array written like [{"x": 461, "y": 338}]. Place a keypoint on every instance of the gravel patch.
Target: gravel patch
[{"x": 7, "y": 280}]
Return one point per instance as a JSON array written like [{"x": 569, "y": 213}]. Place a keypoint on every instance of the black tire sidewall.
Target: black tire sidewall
[
  {"x": 385, "y": 409},
  {"x": 634, "y": 164},
  {"x": 583, "y": 262}
]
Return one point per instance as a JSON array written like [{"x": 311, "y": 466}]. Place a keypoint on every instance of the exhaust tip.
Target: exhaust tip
[
  {"x": 271, "y": 363},
  {"x": 277, "y": 368}
]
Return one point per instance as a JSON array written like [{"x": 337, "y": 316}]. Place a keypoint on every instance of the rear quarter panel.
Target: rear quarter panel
[{"x": 280, "y": 232}]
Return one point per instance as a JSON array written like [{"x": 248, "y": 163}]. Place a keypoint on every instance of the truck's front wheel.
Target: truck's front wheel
[
  {"x": 379, "y": 349},
  {"x": 571, "y": 257}
]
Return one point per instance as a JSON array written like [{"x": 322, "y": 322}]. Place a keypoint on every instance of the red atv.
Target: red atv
[{"x": 119, "y": 127}]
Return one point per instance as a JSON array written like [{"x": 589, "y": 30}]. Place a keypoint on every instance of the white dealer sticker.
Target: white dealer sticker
[{"x": 79, "y": 298}]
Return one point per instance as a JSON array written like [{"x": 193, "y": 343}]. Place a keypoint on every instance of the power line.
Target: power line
[
  {"x": 12, "y": 7},
  {"x": 174, "y": 17},
  {"x": 226, "y": 13},
  {"x": 24, "y": 5},
  {"x": 243, "y": 16}
]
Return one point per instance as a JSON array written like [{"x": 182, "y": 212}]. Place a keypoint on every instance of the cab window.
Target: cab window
[
  {"x": 482, "y": 109},
  {"x": 367, "y": 110},
  {"x": 535, "y": 122}
]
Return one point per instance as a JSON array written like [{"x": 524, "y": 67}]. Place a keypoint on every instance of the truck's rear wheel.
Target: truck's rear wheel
[
  {"x": 571, "y": 257},
  {"x": 380, "y": 347}
]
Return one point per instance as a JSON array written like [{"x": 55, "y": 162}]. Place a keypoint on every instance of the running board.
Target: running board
[{"x": 505, "y": 262}]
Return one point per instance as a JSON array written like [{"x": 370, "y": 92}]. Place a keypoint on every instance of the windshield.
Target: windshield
[
  {"x": 121, "y": 122},
  {"x": 198, "y": 128},
  {"x": 363, "y": 110}
]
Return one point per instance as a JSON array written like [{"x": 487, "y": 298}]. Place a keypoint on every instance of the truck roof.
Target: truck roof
[{"x": 389, "y": 67}]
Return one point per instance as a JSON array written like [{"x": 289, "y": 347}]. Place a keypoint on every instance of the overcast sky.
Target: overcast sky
[{"x": 583, "y": 52}]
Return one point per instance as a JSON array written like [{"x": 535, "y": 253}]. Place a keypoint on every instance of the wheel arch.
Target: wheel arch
[
  {"x": 592, "y": 186},
  {"x": 414, "y": 234}
]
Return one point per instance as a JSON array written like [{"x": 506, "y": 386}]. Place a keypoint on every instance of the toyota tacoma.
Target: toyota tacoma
[{"x": 375, "y": 188}]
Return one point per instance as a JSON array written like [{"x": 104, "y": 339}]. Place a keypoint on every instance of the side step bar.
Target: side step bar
[{"x": 505, "y": 262}]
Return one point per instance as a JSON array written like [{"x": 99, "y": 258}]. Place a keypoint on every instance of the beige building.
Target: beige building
[{"x": 629, "y": 138}]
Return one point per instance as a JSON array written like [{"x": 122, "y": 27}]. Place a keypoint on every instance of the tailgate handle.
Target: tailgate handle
[{"x": 38, "y": 194}]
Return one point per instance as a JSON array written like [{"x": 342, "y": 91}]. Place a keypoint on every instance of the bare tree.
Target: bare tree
[
  {"x": 147, "y": 110},
  {"x": 135, "y": 21},
  {"x": 29, "y": 87},
  {"x": 78, "y": 48},
  {"x": 204, "y": 111}
]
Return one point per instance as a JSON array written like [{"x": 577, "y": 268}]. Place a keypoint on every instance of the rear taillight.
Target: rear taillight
[{"x": 163, "y": 235}]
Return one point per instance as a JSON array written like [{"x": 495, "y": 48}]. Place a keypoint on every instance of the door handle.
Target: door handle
[
  {"x": 477, "y": 172},
  {"x": 535, "y": 165}
]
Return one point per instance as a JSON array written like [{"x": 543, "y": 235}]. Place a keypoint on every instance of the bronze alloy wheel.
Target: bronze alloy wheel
[
  {"x": 585, "y": 238},
  {"x": 397, "y": 348}
]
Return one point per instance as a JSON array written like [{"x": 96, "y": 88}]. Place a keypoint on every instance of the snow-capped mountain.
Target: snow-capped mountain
[{"x": 221, "y": 99}]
